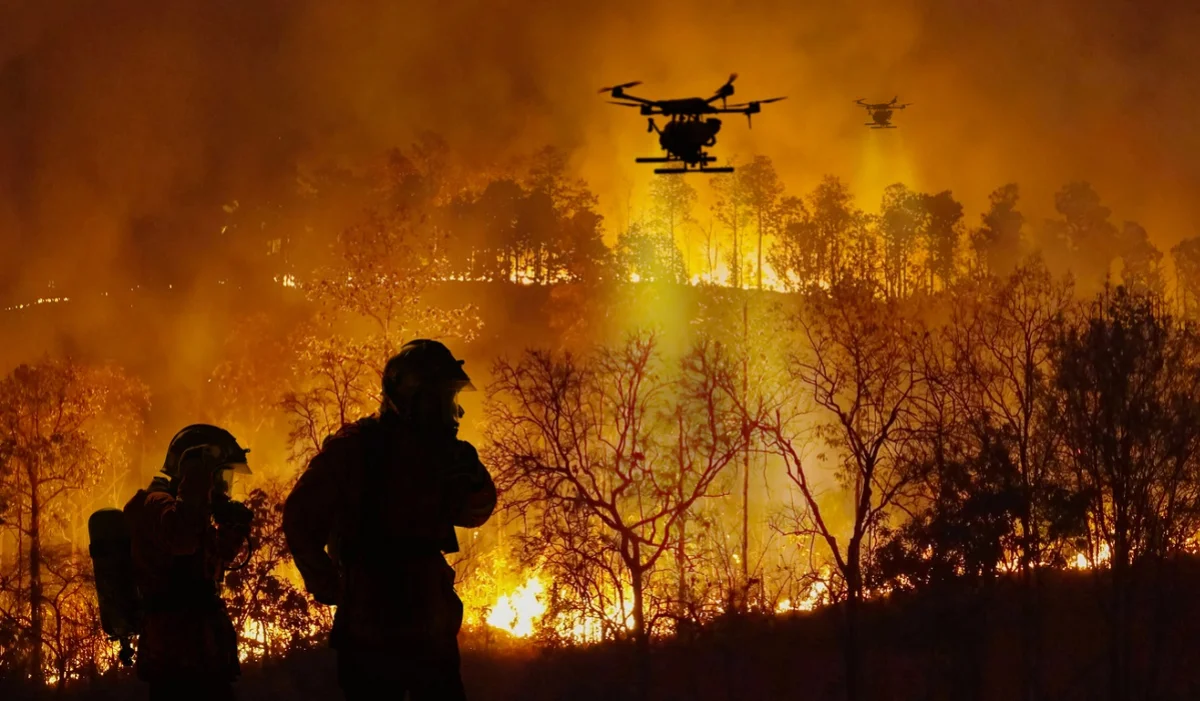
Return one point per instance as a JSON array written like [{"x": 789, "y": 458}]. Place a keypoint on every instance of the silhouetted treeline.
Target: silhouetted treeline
[{"x": 531, "y": 221}]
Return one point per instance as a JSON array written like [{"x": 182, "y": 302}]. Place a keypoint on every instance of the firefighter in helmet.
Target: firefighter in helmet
[
  {"x": 384, "y": 495},
  {"x": 185, "y": 532}
]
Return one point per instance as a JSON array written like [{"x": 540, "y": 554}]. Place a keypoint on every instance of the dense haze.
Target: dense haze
[
  {"x": 158, "y": 150},
  {"x": 121, "y": 123}
]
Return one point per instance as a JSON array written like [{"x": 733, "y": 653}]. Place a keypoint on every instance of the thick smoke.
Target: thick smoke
[{"x": 124, "y": 123}]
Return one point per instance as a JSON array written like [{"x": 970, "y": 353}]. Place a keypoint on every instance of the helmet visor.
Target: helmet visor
[
  {"x": 223, "y": 480},
  {"x": 459, "y": 379}
]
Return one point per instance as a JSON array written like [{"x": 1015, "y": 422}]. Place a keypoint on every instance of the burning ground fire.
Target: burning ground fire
[{"x": 517, "y": 612}]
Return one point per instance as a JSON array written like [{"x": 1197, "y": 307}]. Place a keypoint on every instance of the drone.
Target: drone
[
  {"x": 881, "y": 112},
  {"x": 686, "y": 135}
]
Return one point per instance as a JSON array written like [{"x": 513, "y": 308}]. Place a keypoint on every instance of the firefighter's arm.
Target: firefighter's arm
[
  {"x": 470, "y": 491},
  {"x": 233, "y": 529},
  {"x": 230, "y": 540},
  {"x": 308, "y": 517},
  {"x": 178, "y": 523}
]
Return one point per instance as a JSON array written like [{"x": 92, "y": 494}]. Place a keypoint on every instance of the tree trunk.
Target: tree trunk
[
  {"x": 850, "y": 643},
  {"x": 1120, "y": 630},
  {"x": 1031, "y": 612},
  {"x": 681, "y": 547},
  {"x": 745, "y": 454},
  {"x": 641, "y": 636},
  {"x": 36, "y": 622},
  {"x": 1163, "y": 594},
  {"x": 760, "y": 242},
  {"x": 736, "y": 263},
  {"x": 854, "y": 589}
]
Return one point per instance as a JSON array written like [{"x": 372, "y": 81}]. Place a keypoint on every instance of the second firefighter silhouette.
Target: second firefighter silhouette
[
  {"x": 384, "y": 495},
  {"x": 185, "y": 532}
]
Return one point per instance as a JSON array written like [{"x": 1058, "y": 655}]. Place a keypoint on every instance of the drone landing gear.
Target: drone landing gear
[
  {"x": 876, "y": 126},
  {"x": 700, "y": 165},
  {"x": 669, "y": 171}
]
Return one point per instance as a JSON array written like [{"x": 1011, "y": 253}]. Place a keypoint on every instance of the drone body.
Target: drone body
[
  {"x": 881, "y": 112},
  {"x": 686, "y": 135}
]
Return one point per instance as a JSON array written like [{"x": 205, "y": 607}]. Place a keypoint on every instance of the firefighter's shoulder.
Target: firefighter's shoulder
[{"x": 350, "y": 437}]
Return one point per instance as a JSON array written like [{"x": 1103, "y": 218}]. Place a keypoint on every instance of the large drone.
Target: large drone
[
  {"x": 881, "y": 112},
  {"x": 685, "y": 136}
]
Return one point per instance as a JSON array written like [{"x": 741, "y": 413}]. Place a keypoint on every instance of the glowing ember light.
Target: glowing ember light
[
  {"x": 516, "y": 613},
  {"x": 634, "y": 277},
  {"x": 40, "y": 300}
]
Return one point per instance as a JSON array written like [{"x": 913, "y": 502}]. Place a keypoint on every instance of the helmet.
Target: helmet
[
  {"x": 220, "y": 444},
  {"x": 422, "y": 364}
]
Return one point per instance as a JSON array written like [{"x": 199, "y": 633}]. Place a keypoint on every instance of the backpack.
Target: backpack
[{"x": 120, "y": 601}]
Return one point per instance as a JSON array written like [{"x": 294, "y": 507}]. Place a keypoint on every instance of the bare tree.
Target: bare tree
[
  {"x": 596, "y": 455},
  {"x": 51, "y": 415},
  {"x": 1130, "y": 416},
  {"x": 999, "y": 344},
  {"x": 858, "y": 371}
]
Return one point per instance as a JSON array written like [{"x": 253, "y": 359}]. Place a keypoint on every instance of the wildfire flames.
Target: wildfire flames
[{"x": 517, "y": 612}]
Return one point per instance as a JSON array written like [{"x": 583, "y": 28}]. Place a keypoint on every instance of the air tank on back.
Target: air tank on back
[{"x": 112, "y": 563}]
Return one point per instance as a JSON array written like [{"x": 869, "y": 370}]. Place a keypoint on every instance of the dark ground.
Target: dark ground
[{"x": 918, "y": 649}]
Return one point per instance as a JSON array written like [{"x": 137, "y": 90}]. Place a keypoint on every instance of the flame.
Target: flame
[
  {"x": 517, "y": 612},
  {"x": 817, "y": 596},
  {"x": 522, "y": 610},
  {"x": 1084, "y": 561}
]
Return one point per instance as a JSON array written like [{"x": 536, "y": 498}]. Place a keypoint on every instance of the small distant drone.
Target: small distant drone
[
  {"x": 685, "y": 137},
  {"x": 881, "y": 112}
]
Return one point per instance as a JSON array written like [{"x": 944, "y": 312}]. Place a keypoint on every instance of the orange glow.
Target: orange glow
[{"x": 517, "y": 612}]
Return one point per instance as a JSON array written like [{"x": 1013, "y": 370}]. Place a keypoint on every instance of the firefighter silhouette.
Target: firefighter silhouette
[
  {"x": 185, "y": 532},
  {"x": 384, "y": 494}
]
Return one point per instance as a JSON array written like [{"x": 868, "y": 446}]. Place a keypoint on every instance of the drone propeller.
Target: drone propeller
[
  {"x": 622, "y": 86},
  {"x": 725, "y": 90},
  {"x": 623, "y": 104}
]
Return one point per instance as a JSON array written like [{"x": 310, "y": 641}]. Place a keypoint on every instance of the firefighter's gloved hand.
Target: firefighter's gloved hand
[
  {"x": 228, "y": 512},
  {"x": 328, "y": 592}
]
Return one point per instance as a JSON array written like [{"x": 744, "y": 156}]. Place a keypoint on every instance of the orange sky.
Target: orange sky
[{"x": 111, "y": 116}]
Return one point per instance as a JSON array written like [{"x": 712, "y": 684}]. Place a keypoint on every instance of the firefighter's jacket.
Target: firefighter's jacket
[
  {"x": 384, "y": 498},
  {"x": 180, "y": 557}
]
